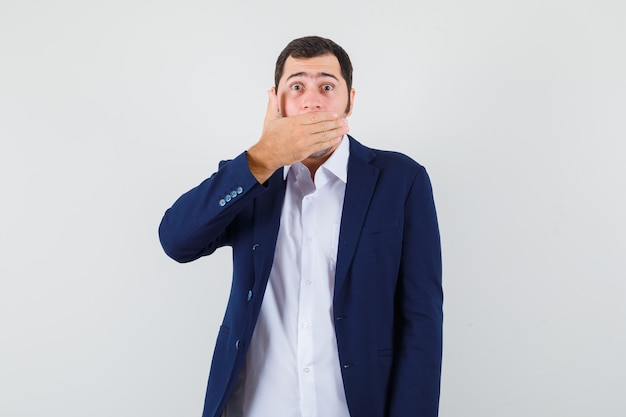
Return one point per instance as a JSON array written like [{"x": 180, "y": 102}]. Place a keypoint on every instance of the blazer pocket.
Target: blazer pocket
[
  {"x": 385, "y": 353},
  {"x": 382, "y": 227}
]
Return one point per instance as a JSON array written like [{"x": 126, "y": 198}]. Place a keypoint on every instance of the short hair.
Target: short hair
[{"x": 310, "y": 47}]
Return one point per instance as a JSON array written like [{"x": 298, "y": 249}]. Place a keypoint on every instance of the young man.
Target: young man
[{"x": 336, "y": 300}]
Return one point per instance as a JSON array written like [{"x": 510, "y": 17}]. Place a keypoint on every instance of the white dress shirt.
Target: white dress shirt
[{"x": 292, "y": 366}]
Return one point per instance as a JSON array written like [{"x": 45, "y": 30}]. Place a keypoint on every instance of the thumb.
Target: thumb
[{"x": 272, "y": 105}]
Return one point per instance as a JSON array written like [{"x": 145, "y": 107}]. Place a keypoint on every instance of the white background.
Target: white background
[{"x": 109, "y": 110}]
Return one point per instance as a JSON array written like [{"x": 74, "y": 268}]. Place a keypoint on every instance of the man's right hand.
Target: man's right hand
[{"x": 287, "y": 140}]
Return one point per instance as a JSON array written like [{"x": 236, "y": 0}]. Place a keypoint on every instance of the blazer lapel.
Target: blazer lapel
[{"x": 362, "y": 178}]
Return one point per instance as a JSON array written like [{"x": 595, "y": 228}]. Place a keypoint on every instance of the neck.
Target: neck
[{"x": 314, "y": 162}]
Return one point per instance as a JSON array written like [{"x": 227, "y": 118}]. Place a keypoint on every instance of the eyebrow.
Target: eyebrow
[{"x": 306, "y": 74}]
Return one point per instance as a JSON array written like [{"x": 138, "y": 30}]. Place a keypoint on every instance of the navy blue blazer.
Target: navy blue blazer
[{"x": 387, "y": 299}]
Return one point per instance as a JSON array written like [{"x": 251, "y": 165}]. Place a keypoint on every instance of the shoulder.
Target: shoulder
[{"x": 385, "y": 160}]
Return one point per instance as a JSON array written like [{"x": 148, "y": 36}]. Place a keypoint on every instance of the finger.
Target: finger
[
  {"x": 316, "y": 117},
  {"x": 272, "y": 105},
  {"x": 338, "y": 126},
  {"x": 328, "y": 138},
  {"x": 326, "y": 144}
]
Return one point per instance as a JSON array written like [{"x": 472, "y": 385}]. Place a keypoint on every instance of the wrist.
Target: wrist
[{"x": 258, "y": 165}]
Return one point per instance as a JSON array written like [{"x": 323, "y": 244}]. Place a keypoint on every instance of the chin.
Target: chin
[{"x": 320, "y": 153}]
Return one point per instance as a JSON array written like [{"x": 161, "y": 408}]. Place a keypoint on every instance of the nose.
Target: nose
[{"x": 312, "y": 101}]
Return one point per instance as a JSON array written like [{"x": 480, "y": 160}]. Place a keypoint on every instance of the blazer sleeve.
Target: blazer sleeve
[
  {"x": 416, "y": 371},
  {"x": 198, "y": 222}
]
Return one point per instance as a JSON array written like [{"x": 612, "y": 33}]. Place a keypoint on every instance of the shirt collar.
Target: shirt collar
[{"x": 337, "y": 163}]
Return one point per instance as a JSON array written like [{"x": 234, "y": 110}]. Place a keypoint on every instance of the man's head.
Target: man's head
[{"x": 303, "y": 49}]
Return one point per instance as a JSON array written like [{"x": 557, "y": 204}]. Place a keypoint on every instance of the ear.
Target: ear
[{"x": 352, "y": 93}]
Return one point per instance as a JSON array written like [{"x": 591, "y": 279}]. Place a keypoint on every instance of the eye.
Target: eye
[
  {"x": 327, "y": 87},
  {"x": 297, "y": 87}
]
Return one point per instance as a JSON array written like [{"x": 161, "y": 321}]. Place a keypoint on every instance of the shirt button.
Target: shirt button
[
  {"x": 307, "y": 282},
  {"x": 305, "y": 325},
  {"x": 309, "y": 239},
  {"x": 306, "y": 370}
]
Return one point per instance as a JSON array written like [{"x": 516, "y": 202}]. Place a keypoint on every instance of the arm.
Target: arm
[
  {"x": 417, "y": 368},
  {"x": 197, "y": 223}
]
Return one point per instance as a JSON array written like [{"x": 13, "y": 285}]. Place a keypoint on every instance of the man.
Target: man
[{"x": 336, "y": 300}]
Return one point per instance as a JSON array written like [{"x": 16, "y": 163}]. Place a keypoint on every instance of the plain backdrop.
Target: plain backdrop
[{"x": 109, "y": 110}]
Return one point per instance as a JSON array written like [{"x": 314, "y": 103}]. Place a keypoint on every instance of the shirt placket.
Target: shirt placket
[{"x": 305, "y": 313}]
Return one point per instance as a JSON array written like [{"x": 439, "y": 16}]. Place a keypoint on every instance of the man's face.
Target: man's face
[{"x": 313, "y": 84}]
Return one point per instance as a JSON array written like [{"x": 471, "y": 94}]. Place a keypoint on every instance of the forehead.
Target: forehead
[{"x": 312, "y": 67}]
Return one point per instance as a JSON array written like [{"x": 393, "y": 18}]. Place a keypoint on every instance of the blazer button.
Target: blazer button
[
  {"x": 249, "y": 295},
  {"x": 239, "y": 190},
  {"x": 222, "y": 202},
  {"x": 237, "y": 344}
]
